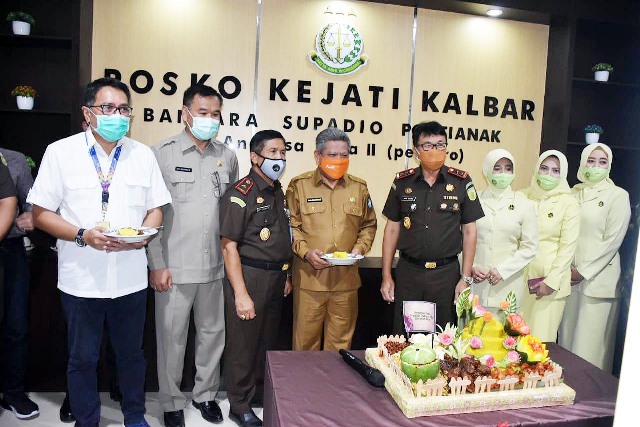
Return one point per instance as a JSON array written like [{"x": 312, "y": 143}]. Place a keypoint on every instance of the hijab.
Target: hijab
[
  {"x": 537, "y": 193},
  {"x": 490, "y": 161},
  {"x": 586, "y": 152}
]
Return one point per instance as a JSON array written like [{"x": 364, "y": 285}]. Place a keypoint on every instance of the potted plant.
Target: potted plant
[
  {"x": 21, "y": 22},
  {"x": 601, "y": 71},
  {"x": 592, "y": 133},
  {"x": 24, "y": 96}
]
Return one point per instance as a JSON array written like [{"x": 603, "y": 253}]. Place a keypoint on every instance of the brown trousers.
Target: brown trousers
[
  {"x": 317, "y": 313},
  {"x": 247, "y": 341}
]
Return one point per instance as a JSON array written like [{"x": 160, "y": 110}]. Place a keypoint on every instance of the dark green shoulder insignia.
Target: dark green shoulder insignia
[
  {"x": 244, "y": 185},
  {"x": 405, "y": 173},
  {"x": 457, "y": 172}
]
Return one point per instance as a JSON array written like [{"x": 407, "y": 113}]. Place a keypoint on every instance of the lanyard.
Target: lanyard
[{"x": 105, "y": 182}]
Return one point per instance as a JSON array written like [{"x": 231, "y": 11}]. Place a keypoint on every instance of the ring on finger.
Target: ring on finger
[{"x": 243, "y": 317}]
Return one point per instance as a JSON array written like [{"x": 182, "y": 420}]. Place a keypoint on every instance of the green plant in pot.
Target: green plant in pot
[
  {"x": 592, "y": 133},
  {"x": 419, "y": 362},
  {"x": 21, "y": 22},
  {"x": 601, "y": 71}
]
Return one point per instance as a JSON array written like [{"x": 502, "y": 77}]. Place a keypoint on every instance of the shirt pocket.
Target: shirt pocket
[
  {"x": 137, "y": 188},
  {"x": 182, "y": 184},
  {"x": 84, "y": 195},
  {"x": 265, "y": 217},
  {"x": 313, "y": 218}
]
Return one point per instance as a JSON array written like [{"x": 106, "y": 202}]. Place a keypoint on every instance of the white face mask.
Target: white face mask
[
  {"x": 272, "y": 168},
  {"x": 204, "y": 128}
]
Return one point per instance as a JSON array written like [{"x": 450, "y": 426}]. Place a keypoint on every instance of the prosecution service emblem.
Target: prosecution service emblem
[{"x": 338, "y": 49}]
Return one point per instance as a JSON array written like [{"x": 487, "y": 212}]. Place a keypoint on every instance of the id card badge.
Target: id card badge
[{"x": 419, "y": 316}]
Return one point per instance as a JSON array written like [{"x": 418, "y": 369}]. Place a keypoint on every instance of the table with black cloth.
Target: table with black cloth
[{"x": 319, "y": 389}]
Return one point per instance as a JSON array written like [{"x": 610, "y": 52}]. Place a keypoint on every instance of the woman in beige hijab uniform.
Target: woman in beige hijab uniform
[
  {"x": 588, "y": 327},
  {"x": 549, "y": 273},
  {"x": 507, "y": 234}
]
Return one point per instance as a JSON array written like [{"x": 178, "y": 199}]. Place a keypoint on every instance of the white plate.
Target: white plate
[
  {"x": 343, "y": 261},
  {"x": 148, "y": 232}
]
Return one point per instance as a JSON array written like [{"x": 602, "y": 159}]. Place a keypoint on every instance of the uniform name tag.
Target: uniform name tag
[
  {"x": 263, "y": 208},
  {"x": 314, "y": 199},
  {"x": 450, "y": 197},
  {"x": 408, "y": 199},
  {"x": 183, "y": 169}
]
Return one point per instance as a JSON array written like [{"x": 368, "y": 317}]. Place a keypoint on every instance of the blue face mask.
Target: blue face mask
[
  {"x": 203, "y": 128},
  {"x": 113, "y": 127}
]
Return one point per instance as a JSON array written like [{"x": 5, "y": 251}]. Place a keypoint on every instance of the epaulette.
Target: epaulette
[
  {"x": 405, "y": 173},
  {"x": 357, "y": 179},
  {"x": 304, "y": 175},
  {"x": 244, "y": 185},
  {"x": 457, "y": 172}
]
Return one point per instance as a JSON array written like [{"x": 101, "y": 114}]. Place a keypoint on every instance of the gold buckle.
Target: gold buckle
[
  {"x": 285, "y": 266},
  {"x": 429, "y": 264}
]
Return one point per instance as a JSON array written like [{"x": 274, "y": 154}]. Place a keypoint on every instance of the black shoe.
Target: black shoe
[
  {"x": 210, "y": 411},
  {"x": 174, "y": 418},
  {"x": 65, "y": 411},
  {"x": 248, "y": 419},
  {"x": 114, "y": 391},
  {"x": 23, "y": 407}
]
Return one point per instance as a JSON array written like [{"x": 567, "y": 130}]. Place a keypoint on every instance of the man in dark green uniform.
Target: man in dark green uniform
[
  {"x": 256, "y": 245},
  {"x": 431, "y": 212}
]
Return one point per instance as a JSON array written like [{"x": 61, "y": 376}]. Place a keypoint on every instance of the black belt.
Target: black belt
[
  {"x": 429, "y": 264},
  {"x": 266, "y": 265}
]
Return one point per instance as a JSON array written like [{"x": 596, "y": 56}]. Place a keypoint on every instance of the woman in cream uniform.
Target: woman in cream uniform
[
  {"x": 588, "y": 327},
  {"x": 558, "y": 229},
  {"x": 507, "y": 235}
]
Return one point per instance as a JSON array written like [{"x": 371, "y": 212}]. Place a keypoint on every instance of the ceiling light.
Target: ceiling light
[{"x": 494, "y": 12}]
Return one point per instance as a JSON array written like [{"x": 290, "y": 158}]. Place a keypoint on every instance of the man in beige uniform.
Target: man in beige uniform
[
  {"x": 186, "y": 262},
  {"x": 330, "y": 211}
]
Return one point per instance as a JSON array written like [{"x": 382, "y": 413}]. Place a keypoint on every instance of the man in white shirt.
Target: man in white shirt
[{"x": 89, "y": 183}]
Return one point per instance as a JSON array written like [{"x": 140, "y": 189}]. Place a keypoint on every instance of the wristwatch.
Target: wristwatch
[
  {"x": 79, "y": 240},
  {"x": 468, "y": 280}
]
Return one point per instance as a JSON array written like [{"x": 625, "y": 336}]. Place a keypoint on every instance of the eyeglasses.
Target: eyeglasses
[
  {"x": 109, "y": 109},
  {"x": 215, "y": 178},
  {"x": 428, "y": 146}
]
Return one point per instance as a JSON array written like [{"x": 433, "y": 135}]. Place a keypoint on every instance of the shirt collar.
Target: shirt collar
[
  {"x": 186, "y": 143},
  {"x": 91, "y": 141},
  {"x": 260, "y": 181},
  {"x": 317, "y": 178},
  {"x": 419, "y": 177}
]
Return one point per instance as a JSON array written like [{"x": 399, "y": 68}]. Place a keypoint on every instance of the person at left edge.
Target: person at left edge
[
  {"x": 15, "y": 327},
  {"x": 431, "y": 215},
  {"x": 89, "y": 183},
  {"x": 256, "y": 244},
  {"x": 186, "y": 261}
]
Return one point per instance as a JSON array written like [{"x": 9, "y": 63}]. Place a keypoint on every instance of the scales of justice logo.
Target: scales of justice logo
[{"x": 339, "y": 48}]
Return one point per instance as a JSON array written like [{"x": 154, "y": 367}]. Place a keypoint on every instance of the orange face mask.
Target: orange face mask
[
  {"x": 334, "y": 168},
  {"x": 433, "y": 159}
]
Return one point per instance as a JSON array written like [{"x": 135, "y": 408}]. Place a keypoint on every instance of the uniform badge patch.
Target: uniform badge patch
[
  {"x": 407, "y": 222},
  {"x": 450, "y": 187},
  {"x": 408, "y": 190},
  {"x": 601, "y": 203},
  {"x": 550, "y": 214},
  {"x": 219, "y": 163},
  {"x": 183, "y": 169},
  {"x": 456, "y": 207},
  {"x": 352, "y": 199},
  {"x": 245, "y": 185},
  {"x": 511, "y": 207},
  {"x": 265, "y": 233},
  {"x": 443, "y": 206},
  {"x": 413, "y": 207},
  {"x": 259, "y": 199},
  {"x": 471, "y": 192},
  {"x": 237, "y": 201}
]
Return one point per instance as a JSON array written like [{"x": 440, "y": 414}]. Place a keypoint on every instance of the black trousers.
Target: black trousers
[
  {"x": 416, "y": 283},
  {"x": 247, "y": 341}
]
